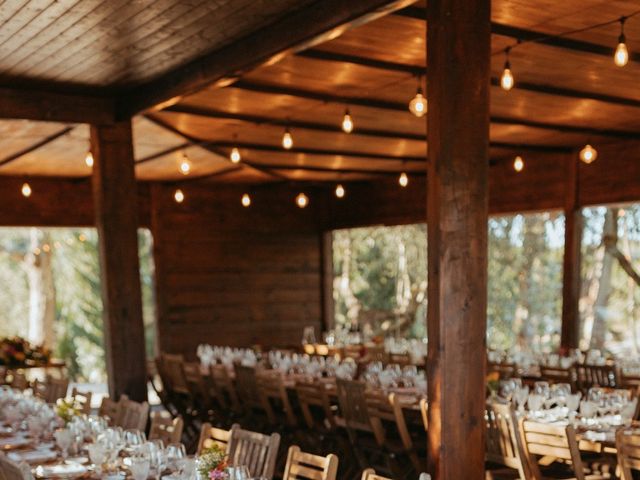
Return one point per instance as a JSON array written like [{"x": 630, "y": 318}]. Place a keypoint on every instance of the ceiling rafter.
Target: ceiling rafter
[{"x": 32, "y": 148}]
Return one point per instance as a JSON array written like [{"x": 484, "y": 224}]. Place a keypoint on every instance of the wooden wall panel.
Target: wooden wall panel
[{"x": 231, "y": 275}]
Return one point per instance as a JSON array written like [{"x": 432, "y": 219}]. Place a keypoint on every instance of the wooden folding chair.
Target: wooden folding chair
[
  {"x": 312, "y": 396},
  {"x": 628, "y": 447},
  {"x": 224, "y": 390},
  {"x": 83, "y": 399},
  {"x": 109, "y": 409},
  {"x": 588, "y": 376},
  {"x": 370, "y": 474},
  {"x": 555, "y": 375},
  {"x": 301, "y": 465},
  {"x": 132, "y": 415},
  {"x": 210, "y": 436},
  {"x": 503, "y": 441},
  {"x": 271, "y": 390},
  {"x": 505, "y": 370},
  {"x": 166, "y": 428},
  {"x": 258, "y": 452}
]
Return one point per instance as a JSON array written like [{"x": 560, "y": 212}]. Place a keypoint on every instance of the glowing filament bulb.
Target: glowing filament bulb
[
  {"x": 340, "y": 191},
  {"x": 246, "y": 200},
  {"x": 403, "y": 179},
  {"x": 506, "y": 80},
  {"x": 621, "y": 56},
  {"x": 518, "y": 164},
  {"x": 89, "y": 159},
  {"x": 418, "y": 105},
  {"x": 287, "y": 140},
  {"x": 235, "y": 155},
  {"x": 588, "y": 154},
  {"x": 302, "y": 200},
  {"x": 185, "y": 165},
  {"x": 347, "y": 122},
  {"x": 178, "y": 196},
  {"x": 26, "y": 190}
]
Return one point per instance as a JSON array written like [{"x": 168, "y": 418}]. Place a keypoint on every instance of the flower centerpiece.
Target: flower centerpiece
[
  {"x": 67, "y": 409},
  {"x": 17, "y": 352},
  {"x": 212, "y": 463}
]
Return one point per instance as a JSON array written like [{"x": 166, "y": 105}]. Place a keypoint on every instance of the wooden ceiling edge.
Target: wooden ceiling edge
[
  {"x": 35, "y": 146},
  {"x": 319, "y": 22},
  {"x": 41, "y": 105}
]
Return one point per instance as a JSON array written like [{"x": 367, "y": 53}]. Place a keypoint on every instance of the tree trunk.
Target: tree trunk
[
  {"x": 42, "y": 303},
  {"x": 609, "y": 233}
]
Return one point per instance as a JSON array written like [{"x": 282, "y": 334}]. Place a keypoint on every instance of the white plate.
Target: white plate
[
  {"x": 33, "y": 456},
  {"x": 61, "y": 470}
]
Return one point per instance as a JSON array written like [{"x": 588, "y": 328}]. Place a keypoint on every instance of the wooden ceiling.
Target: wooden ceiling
[{"x": 568, "y": 91}]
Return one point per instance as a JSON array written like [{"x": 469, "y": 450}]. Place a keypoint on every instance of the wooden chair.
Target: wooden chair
[
  {"x": 199, "y": 392},
  {"x": 629, "y": 381},
  {"x": 588, "y": 376},
  {"x": 52, "y": 389},
  {"x": 353, "y": 406},
  {"x": 132, "y": 415},
  {"x": 109, "y": 409},
  {"x": 370, "y": 474},
  {"x": 18, "y": 380},
  {"x": 255, "y": 450},
  {"x": 503, "y": 441},
  {"x": 271, "y": 390},
  {"x": 302, "y": 465},
  {"x": 83, "y": 399},
  {"x": 224, "y": 391},
  {"x": 402, "y": 359},
  {"x": 385, "y": 413},
  {"x": 247, "y": 388},
  {"x": 505, "y": 370},
  {"x": 312, "y": 396},
  {"x": 628, "y": 447},
  {"x": 172, "y": 365},
  {"x": 210, "y": 436},
  {"x": 555, "y": 375},
  {"x": 546, "y": 440},
  {"x": 166, "y": 428},
  {"x": 377, "y": 353}
]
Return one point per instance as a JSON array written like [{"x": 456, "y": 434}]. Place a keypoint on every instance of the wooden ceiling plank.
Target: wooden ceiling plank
[
  {"x": 401, "y": 107},
  {"x": 163, "y": 153},
  {"x": 299, "y": 30},
  {"x": 15, "y": 156}
]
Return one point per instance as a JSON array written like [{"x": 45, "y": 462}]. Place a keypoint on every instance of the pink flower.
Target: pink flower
[{"x": 216, "y": 474}]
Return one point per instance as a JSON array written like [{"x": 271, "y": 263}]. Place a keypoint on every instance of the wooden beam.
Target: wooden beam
[
  {"x": 31, "y": 148},
  {"x": 402, "y": 107},
  {"x": 571, "y": 278},
  {"x": 55, "y": 107},
  {"x": 295, "y": 31},
  {"x": 459, "y": 50},
  {"x": 495, "y": 81},
  {"x": 313, "y": 168},
  {"x": 323, "y": 127},
  {"x": 164, "y": 152},
  {"x": 115, "y": 201}
]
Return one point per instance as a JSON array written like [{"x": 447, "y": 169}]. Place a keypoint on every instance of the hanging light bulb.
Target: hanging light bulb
[
  {"x": 518, "y": 164},
  {"x": 26, "y": 190},
  {"x": 246, "y": 200},
  {"x": 418, "y": 104},
  {"x": 185, "y": 165},
  {"x": 302, "y": 200},
  {"x": 506, "y": 80},
  {"x": 235, "y": 156},
  {"x": 347, "y": 122},
  {"x": 287, "y": 139},
  {"x": 340, "y": 191},
  {"x": 621, "y": 56},
  {"x": 403, "y": 180},
  {"x": 178, "y": 196},
  {"x": 89, "y": 159},
  {"x": 588, "y": 154}
]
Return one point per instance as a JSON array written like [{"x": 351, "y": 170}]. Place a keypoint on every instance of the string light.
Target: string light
[
  {"x": 621, "y": 56},
  {"x": 403, "y": 180},
  {"x": 302, "y": 200},
  {"x": 178, "y": 196},
  {"x": 185, "y": 165},
  {"x": 26, "y": 190},
  {"x": 235, "y": 156},
  {"x": 588, "y": 154},
  {"x": 340, "y": 191},
  {"x": 82, "y": 237},
  {"x": 287, "y": 139},
  {"x": 246, "y": 200},
  {"x": 518, "y": 164},
  {"x": 347, "y": 122},
  {"x": 506, "y": 80},
  {"x": 418, "y": 104},
  {"x": 88, "y": 159}
]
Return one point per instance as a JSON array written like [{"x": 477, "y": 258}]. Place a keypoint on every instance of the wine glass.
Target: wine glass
[
  {"x": 174, "y": 453},
  {"x": 64, "y": 438},
  {"x": 97, "y": 455},
  {"x": 139, "y": 467},
  {"x": 542, "y": 389}
]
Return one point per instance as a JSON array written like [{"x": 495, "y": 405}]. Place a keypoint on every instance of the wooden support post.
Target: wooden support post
[
  {"x": 458, "y": 49},
  {"x": 571, "y": 278},
  {"x": 115, "y": 201}
]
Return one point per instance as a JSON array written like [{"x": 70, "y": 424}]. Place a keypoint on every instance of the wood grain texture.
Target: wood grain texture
[
  {"x": 114, "y": 191},
  {"x": 458, "y": 45}
]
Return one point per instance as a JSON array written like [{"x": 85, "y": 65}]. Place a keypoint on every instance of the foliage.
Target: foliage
[
  {"x": 212, "y": 463},
  {"x": 16, "y": 352},
  {"x": 67, "y": 408}
]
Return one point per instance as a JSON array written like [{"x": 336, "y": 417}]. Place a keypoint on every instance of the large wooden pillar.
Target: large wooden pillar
[
  {"x": 115, "y": 201},
  {"x": 458, "y": 53},
  {"x": 570, "y": 336}
]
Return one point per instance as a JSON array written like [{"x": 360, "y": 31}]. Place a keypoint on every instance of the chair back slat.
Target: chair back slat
[
  {"x": 628, "y": 451},
  {"x": 132, "y": 415},
  {"x": 210, "y": 436},
  {"x": 588, "y": 376},
  {"x": 503, "y": 442},
  {"x": 83, "y": 399},
  {"x": 301, "y": 465},
  {"x": 370, "y": 474},
  {"x": 353, "y": 404},
  {"x": 255, "y": 450}
]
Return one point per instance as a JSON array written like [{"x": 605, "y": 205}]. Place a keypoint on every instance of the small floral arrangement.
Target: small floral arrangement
[
  {"x": 212, "y": 463},
  {"x": 493, "y": 382},
  {"x": 17, "y": 352},
  {"x": 67, "y": 408}
]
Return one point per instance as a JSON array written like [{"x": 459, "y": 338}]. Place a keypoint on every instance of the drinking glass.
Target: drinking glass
[
  {"x": 174, "y": 453},
  {"x": 134, "y": 438},
  {"x": 97, "y": 455},
  {"x": 140, "y": 467},
  {"x": 542, "y": 389},
  {"x": 240, "y": 472},
  {"x": 64, "y": 438}
]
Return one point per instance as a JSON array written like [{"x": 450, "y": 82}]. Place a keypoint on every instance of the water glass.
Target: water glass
[{"x": 140, "y": 467}]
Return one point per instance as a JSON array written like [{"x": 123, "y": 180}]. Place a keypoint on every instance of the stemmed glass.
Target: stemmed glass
[
  {"x": 175, "y": 452},
  {"x": 139, "y": 467},
  {"x": 97, "y": 455},
  {"x": 64, "y": 439}
]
